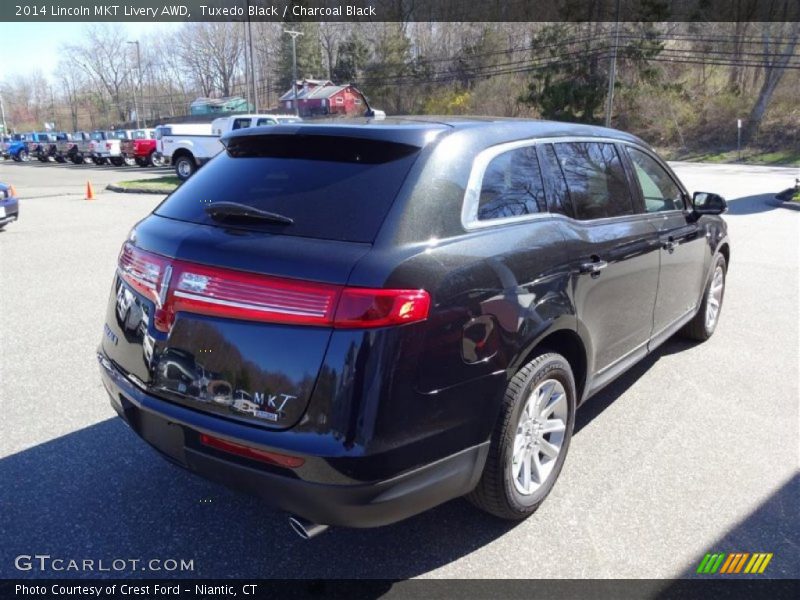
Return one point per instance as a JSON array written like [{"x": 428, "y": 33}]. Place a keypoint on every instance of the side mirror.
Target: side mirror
[{"x": 706, "y": 203}]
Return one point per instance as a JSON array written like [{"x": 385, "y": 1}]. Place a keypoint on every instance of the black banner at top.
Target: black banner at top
[{"x": 400, "y": 10}]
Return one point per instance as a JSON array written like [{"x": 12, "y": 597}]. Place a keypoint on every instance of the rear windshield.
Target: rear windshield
[
  {"x": 332, "y": 187},
  {"x": 98, "y": 135}
]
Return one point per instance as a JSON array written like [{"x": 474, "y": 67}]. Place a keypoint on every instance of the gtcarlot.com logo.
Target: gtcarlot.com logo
[
  {"x": 737, "y": 563},
  {"x": 48, "y": 563}
]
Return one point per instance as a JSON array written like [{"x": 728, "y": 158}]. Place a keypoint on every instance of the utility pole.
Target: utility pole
[
  {"x": 3, "y": 115},
  {"x": 246, "y": 69},
  {"x": 252, "y": 59},
  {"x": 139, "y": 80},
  {"x": 612, "y": 72},
  {"x": 294, "y": 35}
]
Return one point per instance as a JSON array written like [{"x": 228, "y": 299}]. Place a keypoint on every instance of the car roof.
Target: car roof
[{"x": 420, "y": 130}]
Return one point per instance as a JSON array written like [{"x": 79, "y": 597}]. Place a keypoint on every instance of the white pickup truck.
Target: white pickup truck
[
  {"x": 104, "y": 147},
  {"x": 188, "y": 146}
]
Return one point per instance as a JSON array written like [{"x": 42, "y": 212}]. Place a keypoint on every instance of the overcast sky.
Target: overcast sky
[{"x": 30, "y": 46}]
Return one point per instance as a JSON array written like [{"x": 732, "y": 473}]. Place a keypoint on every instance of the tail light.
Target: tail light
[
  {"x": 177, "y": 286},
  {"x": 272, "y": 458},
  {"x": 108, "y": 145}
]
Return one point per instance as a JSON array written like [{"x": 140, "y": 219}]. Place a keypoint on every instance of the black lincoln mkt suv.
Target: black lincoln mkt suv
[{"x": 361, "y": 320}]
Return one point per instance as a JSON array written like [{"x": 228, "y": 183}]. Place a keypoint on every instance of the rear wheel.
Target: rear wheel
[
  {"x": 129, "y": 161},
  {"x": 530, "y": 440},
  {"x": 117, "y": 161},
  {"x": 702, "y": 326},
  {"x": 155, "y": 159},
  {"x": 76, "y": 159},
  {"x": 98, "y": 161},
  {"x": 60, "y": 159},
  {"x": 23, "y": 156},
  {"x": 184, "y": 167}
]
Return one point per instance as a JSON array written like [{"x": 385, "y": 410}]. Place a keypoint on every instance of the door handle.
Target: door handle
[
  {"x": 669, "y": 245},
  {"x": 594, "y": 267}
]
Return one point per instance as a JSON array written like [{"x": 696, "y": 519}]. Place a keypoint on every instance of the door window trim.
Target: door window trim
[
  {"x": 471, "y": 201},
  {"x": 472, "y": 195}
]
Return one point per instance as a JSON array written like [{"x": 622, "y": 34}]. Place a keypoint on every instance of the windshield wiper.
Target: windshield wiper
[{"x": 223, "y": 210}]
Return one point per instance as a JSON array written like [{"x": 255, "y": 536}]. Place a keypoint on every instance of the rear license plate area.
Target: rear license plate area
[{"x": 166, "y": 437}]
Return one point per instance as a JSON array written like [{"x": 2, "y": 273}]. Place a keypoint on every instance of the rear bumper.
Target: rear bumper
[{"x": 174, "y": 431}]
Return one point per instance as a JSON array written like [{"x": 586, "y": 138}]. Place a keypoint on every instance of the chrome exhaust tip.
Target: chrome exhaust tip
[{"x": 306, "y": 529}]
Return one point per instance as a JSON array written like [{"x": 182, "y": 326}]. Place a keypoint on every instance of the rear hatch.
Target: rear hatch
[{"x": 230, "y": 314}]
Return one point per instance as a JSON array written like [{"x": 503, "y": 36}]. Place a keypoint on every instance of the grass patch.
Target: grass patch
[
  {"x": 157, "y": 184},
  {"x": 749, "y": 156}
]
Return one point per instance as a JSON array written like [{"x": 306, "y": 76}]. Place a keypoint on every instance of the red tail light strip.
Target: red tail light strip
[
  {"x": 177, "y": 286},
  {"x": 273, "y": 458}
]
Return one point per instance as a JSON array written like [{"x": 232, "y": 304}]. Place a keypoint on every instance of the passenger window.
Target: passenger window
[
  {"x": 596, "y": 180},
  {"x": 512, "y": 186},
  {"x": 241, "y": 124},
  {"x": 658, "y": 189},
  {"x": 559, "y": 198}
]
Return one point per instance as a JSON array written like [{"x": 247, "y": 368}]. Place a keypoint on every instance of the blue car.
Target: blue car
[{"x": 9, "y": 205}]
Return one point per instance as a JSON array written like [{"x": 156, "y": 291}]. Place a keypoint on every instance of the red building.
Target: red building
[{"x": 316, "y": 97}]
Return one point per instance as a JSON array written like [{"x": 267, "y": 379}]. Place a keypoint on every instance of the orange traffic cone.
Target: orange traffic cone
[{"x": 89, "y": 191}]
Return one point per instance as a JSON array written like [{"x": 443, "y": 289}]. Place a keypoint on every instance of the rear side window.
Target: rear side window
[
  {"x": 240, "y": 124},
  {"x": 333, "y": 188},
  {"x": 559, "y": 194},
  {"x": 595, "y": 179},
  {"x": 512, "y": 186}
]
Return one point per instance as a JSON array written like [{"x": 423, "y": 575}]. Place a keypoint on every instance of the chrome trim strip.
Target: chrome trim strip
[{"x": 262, "y": 308}]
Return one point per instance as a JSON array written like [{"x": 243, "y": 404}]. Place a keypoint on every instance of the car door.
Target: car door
[
  {"x": 683, "y": 243},
  {"x": 613, "y": 250}
]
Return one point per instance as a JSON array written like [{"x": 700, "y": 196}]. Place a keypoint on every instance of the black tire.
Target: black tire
[
  {"x": 141, "y": 161},
  {"x": 117, "y": 161},
  {"x": 23, "y": 156},
  {"x": 76, "y": 159},
  {"x": 61, "y": 159},
  {"x": 129, "y": 161},
  {"x": 185, "y": 167},
  {"x": 698, "y": 328},
  {"x": 155, "y": 160},
  {"x": 496, "y": 492},
  {"x": 98, "y": 161}
]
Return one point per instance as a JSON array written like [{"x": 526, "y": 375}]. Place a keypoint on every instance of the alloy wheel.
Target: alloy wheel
[
  {"x": 540, "y": 436},
  {"x": 714, "y": 300}
]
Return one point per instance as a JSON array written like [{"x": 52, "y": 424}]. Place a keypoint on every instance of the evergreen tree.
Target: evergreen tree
[{"x": 309, "y": 54}]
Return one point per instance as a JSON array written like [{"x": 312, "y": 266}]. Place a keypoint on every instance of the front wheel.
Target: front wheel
[
  {"x": 702, "y": 326},
  {"x": 530, "y": 440},
  {"x": 117, "y": 161},
  {"x": 23, "y": 156},
  {"x": 129, "y": 161}
]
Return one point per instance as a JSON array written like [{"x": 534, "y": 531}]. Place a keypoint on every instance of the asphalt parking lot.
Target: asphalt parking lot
[{"x": 695, "y": 450}]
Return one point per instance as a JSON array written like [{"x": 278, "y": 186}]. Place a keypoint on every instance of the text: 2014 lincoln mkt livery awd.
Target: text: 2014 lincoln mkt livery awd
[{"x": 359, "y": 321}]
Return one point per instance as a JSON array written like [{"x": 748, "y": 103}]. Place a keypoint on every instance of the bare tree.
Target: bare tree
[
  {"x": 212, "y": 51},
  {"x": 73, "y": 80},
  {"x": 103, "y": 56},
  {"x": 775, "y": 57}
]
